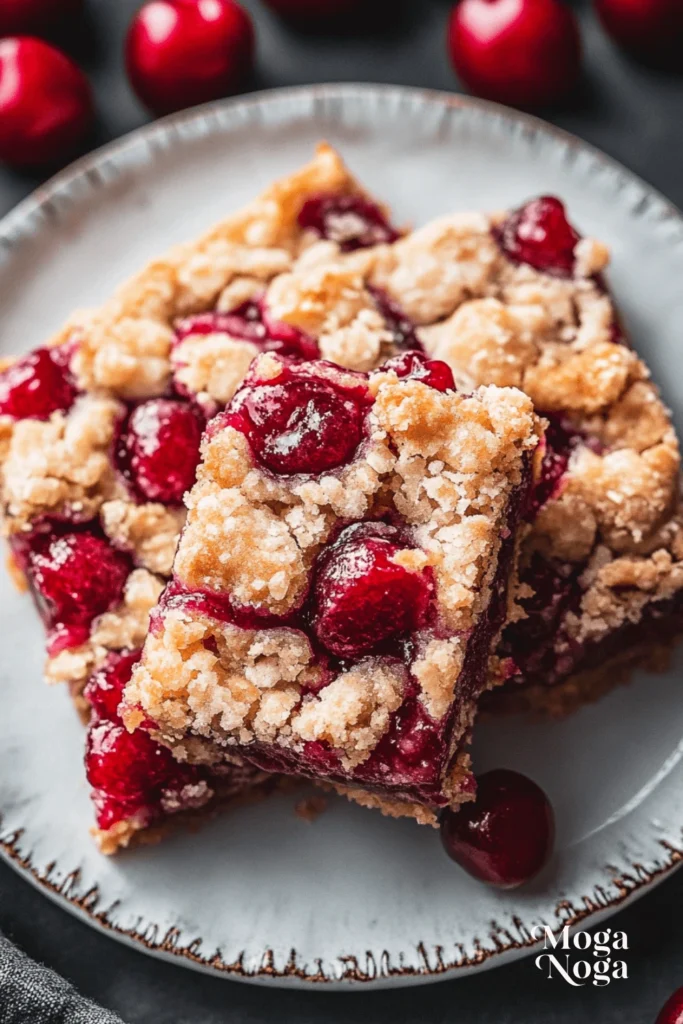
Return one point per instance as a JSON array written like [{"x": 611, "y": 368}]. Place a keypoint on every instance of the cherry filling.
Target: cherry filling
[
  {"x": 506, "y": 836},
  {"x": 301, "y": 421},
  {"x": 362, "y": 598},
  {"x": 415, "y": 366},
  {"x": 250, "y": 322},
  {"x": 351, "y": 221},
  {"x": 561, "y": 440},
  {"x": 131, "y": 774},
  {"x": 38, "y": 385},
  {"x": 76, "y": 576},
  {"x": 397, "y": 322},
  {"x": 540, "y": 235},
  {"x": 157, "y": 449}
]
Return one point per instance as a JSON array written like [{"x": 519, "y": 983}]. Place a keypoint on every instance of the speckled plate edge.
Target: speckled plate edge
[{"x": 627, "y": 882}]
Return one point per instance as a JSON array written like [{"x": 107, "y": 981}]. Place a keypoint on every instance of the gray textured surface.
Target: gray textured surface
[{"x": 633, "y": 114}]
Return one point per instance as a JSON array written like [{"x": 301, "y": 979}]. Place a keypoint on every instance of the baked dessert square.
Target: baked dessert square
[
  {"x": 99, "y": 439},
  {"x": 341, "y": 578}
]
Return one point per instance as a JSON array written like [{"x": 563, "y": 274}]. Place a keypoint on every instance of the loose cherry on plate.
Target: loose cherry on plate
[
  {"x": 45, "y": 103},
  {"x": 651, "y": 28},
  {"x": 158, "y": 449},
  {"x": 37, "y": 385},
  {"x": 539, "y": 234},
  {"x": 672, "y": 1011},
  {"x": 506, "y": 836},
  {"x": 363, "y": 598},
  {"x": 183, "y": 52},
  {"x": 523, "y": 53}
]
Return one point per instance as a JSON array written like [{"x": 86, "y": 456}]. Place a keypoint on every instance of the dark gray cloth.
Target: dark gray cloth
[{"x": 33, "y": 994}]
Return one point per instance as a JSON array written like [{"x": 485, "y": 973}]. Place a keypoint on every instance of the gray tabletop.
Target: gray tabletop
[{"x": 634, "y": 114}]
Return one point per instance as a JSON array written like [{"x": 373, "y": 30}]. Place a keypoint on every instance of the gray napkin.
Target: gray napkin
[{"x": 33, "y": 994}]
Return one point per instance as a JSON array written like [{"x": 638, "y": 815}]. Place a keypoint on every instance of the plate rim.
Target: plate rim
[{"x": 15, "y": 225}]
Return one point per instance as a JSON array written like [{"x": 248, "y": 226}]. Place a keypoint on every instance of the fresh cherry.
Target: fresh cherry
[
  {"x": 37, "y": 385},
  {"x": 650, "y": 28},
  {"x": 300, "y": 422},
  {"x": 158, "y": 449},
  {"x": 350, "y": 220},
  {"x": 45, "y": 103},
  {"x": 183, "y": 52},
  {"x": 539, "y": 234},
  {"x": 506, "y": 835},
  {"x": 523, "y": 53},
  {"x": 76, "y": 576},
  {"x": 672, "y": 1011},
  {"x": 416, "y": 366},
  {"x": 362, "y": 598},
  {"x": 20, "y": 16},
  {"x": 105, "y": 687}
]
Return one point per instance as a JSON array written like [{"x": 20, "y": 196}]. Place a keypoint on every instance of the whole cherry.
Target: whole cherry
[
  {"x": 45, "y": 103},
  {"x": 672, "y": 1011},
  {"x": 647, "y": 27},
  {"x": 525, "y": 53},
  {"x": 506, "y": 835},
  {"x": 183, "y": 52},
  {"x": 19, "y": 16}
]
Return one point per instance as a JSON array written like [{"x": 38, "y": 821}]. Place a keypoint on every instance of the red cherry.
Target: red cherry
[
  {"x": 539, "y": 234},
  {"x": 314, "y": 10},
  {"x": 183, "y": 52},
  {"x": 19, "y": 16},
  {"x": 350, "y": 220},
  {"x": 506, "y": 835},
  {"x": 104, "y": 689},
  {"x": 414, "y": 365},
  {"x": 361, "y": 597},
  {"x": 37, "y": 385},
  {"x": 525, "y": 53},
  {"x": 45, "y": 103},
  {"x": 159, "y": 449},
  {"x": 672, "y": 1011},
  {"x": 648, "y": 27}
]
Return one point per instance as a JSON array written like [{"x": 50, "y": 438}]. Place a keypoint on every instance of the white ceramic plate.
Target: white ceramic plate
[{"x": 260, "y": 894}]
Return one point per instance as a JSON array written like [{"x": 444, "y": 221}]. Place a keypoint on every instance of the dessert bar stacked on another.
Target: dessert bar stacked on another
[{"x": 341, "y": 578}]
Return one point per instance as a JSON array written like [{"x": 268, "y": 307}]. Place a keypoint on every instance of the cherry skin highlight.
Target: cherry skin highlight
[
  {"x": 45, "y": 103},
  {"x": 159, "y": 449},
  {"x": 506, "y": 836},
  {"x": 183, "y": 52},
  {"x": 524, "y": 53},
  {"x": 540, "y": 235},
  {"x": 37, "y": 385},
  {"x": 362, "y": 598}
]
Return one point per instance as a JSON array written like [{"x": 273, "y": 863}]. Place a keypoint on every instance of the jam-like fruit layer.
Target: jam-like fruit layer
[
  {"x": 362, "y": 597},
  {"x": 561, "y": 440},
  {"x": 301, "y": 421},
  {"x": 352, "y": 221},
  {"x": 251, "y": 322},
  {"x": 38, "y": 385},
  {"x": 76, "y": 576},
  {"x": 506, "y": 836},
  {"x": 400, "y": 326},
  {"x": 132, "y": 776},
  {"x": 158, "y": 449},
  {"x": 540, "y": 235}
]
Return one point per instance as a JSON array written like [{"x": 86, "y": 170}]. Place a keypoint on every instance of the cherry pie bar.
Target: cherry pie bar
[
  {"x": 341, "y": 577},
  {"x": 99, "y": 439}
]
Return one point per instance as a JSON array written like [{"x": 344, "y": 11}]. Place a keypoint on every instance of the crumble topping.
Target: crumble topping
[{"x": 150, "y": 531}]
